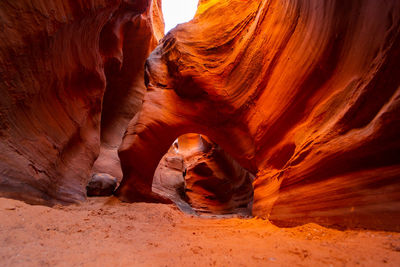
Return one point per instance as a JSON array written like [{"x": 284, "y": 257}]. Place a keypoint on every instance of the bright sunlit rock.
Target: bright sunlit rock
[{"x": 178, "y": 11}]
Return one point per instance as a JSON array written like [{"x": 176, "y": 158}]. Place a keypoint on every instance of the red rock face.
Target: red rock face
[
  {"x": 306, "y": 94},
  {"x": 55, "y": 60},
  {"x": 303, "y": 93},
  {"x": 125, "y": 42}
]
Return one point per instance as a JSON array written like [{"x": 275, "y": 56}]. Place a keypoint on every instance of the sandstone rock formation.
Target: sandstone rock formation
[
  {"x": 101, "y": 184},
  {"x": 198, "y": 171},
  {"x": 56, "y": 58},
  {"x": 304, "y": 93},
  {"x": 214, "y": 182},
  {"x": 125, "y": 41},
  {"x": 168, "y": 178}
]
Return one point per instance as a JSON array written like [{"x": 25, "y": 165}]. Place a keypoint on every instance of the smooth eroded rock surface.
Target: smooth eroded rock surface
[
  {"x": 125, "y": 41},
  {"x": 197, "y": 171},
  {"x": 303, "y": 93},
  {"x": 56, "y": 60},
  {"x": 214, "y": 182},
  {"x": 101, "y": 184}
]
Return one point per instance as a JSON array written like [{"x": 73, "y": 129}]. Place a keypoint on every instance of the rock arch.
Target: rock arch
[{"x": 300, "y": 92}]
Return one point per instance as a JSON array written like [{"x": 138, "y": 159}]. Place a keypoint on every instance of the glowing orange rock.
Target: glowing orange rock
[
  {"x": 214, "y": 182},
  {"x": 198, "y": 171},
  {"x": 303, "y": 93}
]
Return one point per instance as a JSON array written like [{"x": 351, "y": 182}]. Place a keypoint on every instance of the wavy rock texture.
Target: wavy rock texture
[
  {"x": 168, "y": 178},
  {"x": 52, "y": 60},
  {"x": 214, "y": 182},
  {"x": 303, "y": 93},
  {"x": 125, "y": 41},
  {"x": 198, "y": 171}
]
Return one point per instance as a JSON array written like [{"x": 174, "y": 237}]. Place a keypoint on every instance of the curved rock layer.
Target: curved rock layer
[
  {"x": 168, "y": 178},
  {"x": 198, "y": 171},
  {"x": 125, "y": 41},
  {"x": 305, "y": 93},
  {"x": 53, "y": 57},
  {"x": 214, "y": 182}
]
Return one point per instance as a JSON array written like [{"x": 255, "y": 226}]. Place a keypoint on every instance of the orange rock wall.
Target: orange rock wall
[
  {"x": 125, "y": 41},
  {"x": 53, "y": 56},
  {"x": 303, "y": 93},
  {"x": 214, "y": 182},
  {"x": 198, "y": 172}
]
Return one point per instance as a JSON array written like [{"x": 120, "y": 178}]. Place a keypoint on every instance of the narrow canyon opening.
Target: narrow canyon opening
[
  {"x": 177, "y": 11},
  {"x": 201, "y": 178}
]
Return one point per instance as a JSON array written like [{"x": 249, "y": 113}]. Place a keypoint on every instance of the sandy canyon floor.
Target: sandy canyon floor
[{"x": 105, "y": 232}]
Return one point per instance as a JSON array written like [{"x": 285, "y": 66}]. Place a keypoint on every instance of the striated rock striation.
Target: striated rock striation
[
  {"x": 304, "y": 93},
  {"x": 214, "y": 182},
  {"x": 198, "y": 171},
  {"x": 56, "y": 58},
  {"x": 168, "y": 178},
  {"x": 125, "y": 42}
]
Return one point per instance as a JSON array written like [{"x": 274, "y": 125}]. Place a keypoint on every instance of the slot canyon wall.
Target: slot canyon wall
[
  {"x": 126, "y": 40},
  {"x": 304, "y": 94},
  {"x": 65, "y": 66}
]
